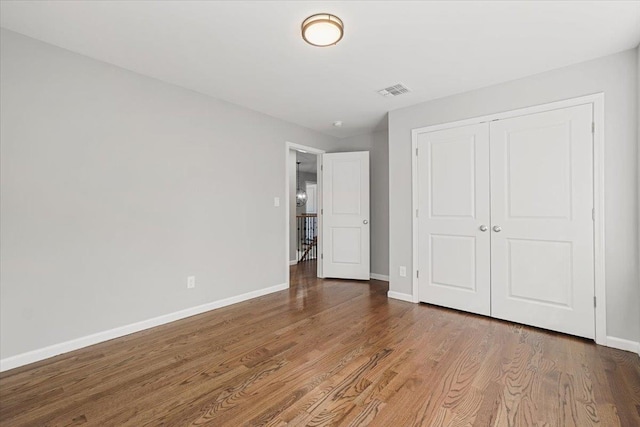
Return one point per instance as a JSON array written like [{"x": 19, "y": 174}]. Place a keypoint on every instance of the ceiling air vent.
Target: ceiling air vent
[{"x": 394, "y": 90}]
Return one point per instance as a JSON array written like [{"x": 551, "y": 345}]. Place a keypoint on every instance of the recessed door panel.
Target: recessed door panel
[
  {"x": 345, "y": 245},
  {"x": 538, "y": 176},
  {"x": 541, "y": 203},
  {"x": 345, "y": 183},
  {"x": 549, "y": 280},
  {"x": 452, "y": 176},
  {"x": 453, "y": 194},
  {"x": 448, "y": 274}
]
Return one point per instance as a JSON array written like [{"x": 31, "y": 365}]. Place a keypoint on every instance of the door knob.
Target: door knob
[
  {"x": 365, "y": 222},
  {"x": 497, "y": 228},
  {"x": 483, "y": 227}
]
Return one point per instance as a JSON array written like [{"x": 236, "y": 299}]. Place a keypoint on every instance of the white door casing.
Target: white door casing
[
  {"x": 542, "y": 257},
  {"x": 453, "y": 211},
  {"x": 345, "y": 217}
]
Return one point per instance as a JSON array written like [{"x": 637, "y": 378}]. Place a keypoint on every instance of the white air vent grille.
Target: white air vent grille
[{"x": 394, "y": 90}]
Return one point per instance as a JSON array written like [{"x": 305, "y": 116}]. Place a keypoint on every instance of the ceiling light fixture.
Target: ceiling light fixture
[
  {"x": 322, "y": 30},
  {"x": 337, "y": 123}
]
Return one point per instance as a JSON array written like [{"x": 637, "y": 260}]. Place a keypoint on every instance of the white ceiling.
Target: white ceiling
[{"x": 251, "y": 53}]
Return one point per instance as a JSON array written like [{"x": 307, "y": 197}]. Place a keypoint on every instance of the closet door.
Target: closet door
[
  {"x": 542, "y": 261},
  {"x": 453, "y": 218}
]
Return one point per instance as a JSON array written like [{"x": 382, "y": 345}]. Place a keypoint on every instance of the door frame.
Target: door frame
[
  {"x": 318, "y": 152},
  {"x": 597, "y": 101}
]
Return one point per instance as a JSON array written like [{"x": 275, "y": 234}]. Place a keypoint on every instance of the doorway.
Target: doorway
[
  {"x": 303, "y": 224},
  {"x": 304, "y": 252},
  {"x": 340, "y": 231}
]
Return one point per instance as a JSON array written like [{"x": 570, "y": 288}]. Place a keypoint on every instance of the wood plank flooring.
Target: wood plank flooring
[{"x": 330, "y": 352}]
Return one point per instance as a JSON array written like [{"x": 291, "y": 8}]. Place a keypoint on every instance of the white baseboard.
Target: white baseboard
[
  {"x": 75, "y": 344},
  {"x": 622, "y": 344},
  {"x": 400, "y": 296},
  {"x": 382, "y": 277},
  {"x": 293, "y": 262}
]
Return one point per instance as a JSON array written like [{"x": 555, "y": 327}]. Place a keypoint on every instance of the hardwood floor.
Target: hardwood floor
[{"x": 330, "y": 352}]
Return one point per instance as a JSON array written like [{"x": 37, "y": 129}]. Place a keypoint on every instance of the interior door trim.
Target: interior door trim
[{"x": 597, "y": 101}]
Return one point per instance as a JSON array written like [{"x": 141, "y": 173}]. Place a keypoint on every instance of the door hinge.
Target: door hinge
[
  {"x": 416, "y": 213},
  {"x": 321, "y": 211},
  {"x": 321, "y": 167},
  {"x": 321, "y": 256},
  {"x": 594, "y": 302},
  {"x": 416, "y": 151},
  {"x": 593, "y": 127},
  {"x": 593, "y": 214},
  {"x": 417, "y": 274}
]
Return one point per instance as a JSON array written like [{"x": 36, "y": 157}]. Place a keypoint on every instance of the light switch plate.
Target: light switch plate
[
  {"x": 191, "y": 282},
  {"x": 276, "y": 201},
  {"x": 403, "y": 271}
]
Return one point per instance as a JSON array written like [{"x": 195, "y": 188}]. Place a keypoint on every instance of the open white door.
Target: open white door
[{"x": 345, "y": 195}]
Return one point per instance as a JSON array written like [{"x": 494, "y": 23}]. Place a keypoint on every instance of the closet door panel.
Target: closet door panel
[
  {"x": 542, "y": 260},
  {"x": 453, "y": 194}
]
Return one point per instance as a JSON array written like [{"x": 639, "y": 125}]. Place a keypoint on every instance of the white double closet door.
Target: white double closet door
[{"x": 505, "y": 224}]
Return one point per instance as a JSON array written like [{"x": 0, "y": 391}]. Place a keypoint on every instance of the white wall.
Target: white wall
[
  {"x": 616, "y": 76},
  {"x": 377, "y": 144},
  {"x": 115, "y": 187}
]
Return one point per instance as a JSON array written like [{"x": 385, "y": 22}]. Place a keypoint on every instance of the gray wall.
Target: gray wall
[
  {"x": 115, "y": 187},
  {"x": 377, "y": 144},
  {"x": 616, "y": 76}
]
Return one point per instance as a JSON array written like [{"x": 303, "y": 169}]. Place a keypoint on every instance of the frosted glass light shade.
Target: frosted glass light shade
[
  {"x": 322, "y": 30},
  {"x": 301, "y": 197}
]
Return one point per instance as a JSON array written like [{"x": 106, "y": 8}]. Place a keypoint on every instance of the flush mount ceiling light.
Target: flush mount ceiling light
[{"x": 322, "y": 30}]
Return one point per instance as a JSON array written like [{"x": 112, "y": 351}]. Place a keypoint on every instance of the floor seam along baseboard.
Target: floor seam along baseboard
[{"x": 98, "y": 337}]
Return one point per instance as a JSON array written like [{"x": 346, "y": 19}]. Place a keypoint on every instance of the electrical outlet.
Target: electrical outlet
[
  {"x": 403, "y": 271},
  {"x": 191, "y": 282}
]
